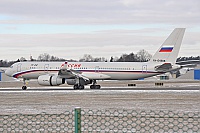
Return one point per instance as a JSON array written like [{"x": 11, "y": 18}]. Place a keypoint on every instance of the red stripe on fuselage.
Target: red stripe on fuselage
[{"x": 100, "y": 71}]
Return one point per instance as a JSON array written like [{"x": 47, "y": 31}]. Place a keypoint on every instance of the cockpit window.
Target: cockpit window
[{"x": 11, "y": 66}]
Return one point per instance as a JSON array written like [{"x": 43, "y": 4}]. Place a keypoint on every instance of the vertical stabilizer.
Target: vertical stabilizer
[{"x": 169, "y": 50}]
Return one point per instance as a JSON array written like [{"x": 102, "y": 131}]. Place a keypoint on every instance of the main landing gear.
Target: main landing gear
[
  {"x": 80, "y": 86},
  {"x": 94, "y": 86}
]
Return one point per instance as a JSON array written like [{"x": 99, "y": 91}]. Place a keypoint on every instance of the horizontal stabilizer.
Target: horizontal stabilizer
[{"x": 164, "y": 67}]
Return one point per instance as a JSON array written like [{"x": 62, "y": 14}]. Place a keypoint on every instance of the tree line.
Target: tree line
[{"x": 141, "y": 56}]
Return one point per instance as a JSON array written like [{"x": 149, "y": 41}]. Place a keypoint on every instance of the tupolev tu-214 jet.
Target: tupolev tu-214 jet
[{"x": 80, "y": 74}]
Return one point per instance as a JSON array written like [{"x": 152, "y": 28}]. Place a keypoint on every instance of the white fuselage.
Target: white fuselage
[{"x": 113, "y": 70}]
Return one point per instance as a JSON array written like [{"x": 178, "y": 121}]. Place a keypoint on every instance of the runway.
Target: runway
[
  {"x": 54, "y": 100},
  {"x": 31, "y": 89},
  {"x": 110, "y": 85},
  {"x": 176, "y": 96}
]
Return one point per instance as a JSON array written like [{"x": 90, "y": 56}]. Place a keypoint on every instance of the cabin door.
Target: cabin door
[
  {"x": 97, "y": 69},
  {"x": 46, "y": 68},
  {"x": 19, "y": 67},
  {"x": 144, "y": 68}
]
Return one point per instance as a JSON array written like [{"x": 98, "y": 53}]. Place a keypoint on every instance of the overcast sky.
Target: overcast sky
[{"x": 103, "y": 28}]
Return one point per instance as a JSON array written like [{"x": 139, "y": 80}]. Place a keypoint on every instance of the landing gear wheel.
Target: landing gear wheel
[
  {"x": 24, "y": 87},
  {"x": 81, "y": 87},
  {"x": 76, "y": 87},
  {"x": 98, "y": 86},
  {"x": 92, "y": 86}
]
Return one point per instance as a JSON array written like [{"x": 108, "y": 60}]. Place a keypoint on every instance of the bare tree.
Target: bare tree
[
  {"x": 128, "y": 58},
  {"x": 22, "y": 59},
  {"x": 86, "y": 58},
  {"x": 144, "y": 55},
  {"x": 47, "y": 57},
  {"x": 89, "y": 58},
  {"x": 44, "y": 57},
  {"x": 100, "y": 59}
]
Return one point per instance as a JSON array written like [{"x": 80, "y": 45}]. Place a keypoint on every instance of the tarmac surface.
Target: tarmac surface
[{"x": 181, "y": 96}]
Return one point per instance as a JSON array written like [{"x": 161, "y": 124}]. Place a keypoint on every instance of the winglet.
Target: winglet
[{"x": 64, "y": 66}]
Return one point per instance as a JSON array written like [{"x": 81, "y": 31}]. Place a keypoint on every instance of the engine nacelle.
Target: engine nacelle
[
  {"x": 71, "y": 81},
  {"x": 50, "y": 80},
  {"x": 81, "y": 81}
]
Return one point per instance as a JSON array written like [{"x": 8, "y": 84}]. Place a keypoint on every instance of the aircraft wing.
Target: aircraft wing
[{"x": 64, "y": 72}]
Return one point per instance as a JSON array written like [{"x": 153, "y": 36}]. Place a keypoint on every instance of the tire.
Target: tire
[
  {"x": 91, "y": 86},
  {"x": 81, "y": 87},
  {"x": 98, "y": 87},
  {"x": 75, "y": 87},
  {"x": 95, "y": 87},
  {"x": 24, "y": 87}
]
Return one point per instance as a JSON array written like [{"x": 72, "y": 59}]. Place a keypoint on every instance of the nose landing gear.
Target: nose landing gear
[{"x": 24, "y": 87}]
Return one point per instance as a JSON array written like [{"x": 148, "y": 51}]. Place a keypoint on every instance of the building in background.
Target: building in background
[{"x": 190, "y": 74}]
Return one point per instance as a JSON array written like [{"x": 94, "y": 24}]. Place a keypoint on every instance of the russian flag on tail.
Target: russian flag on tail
[{"x": 166, "y": 49}]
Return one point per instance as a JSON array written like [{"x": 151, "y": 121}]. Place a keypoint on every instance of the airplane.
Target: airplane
[{"x": 80, "y": 74}]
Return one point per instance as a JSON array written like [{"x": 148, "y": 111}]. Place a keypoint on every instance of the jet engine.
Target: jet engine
[
  {"x": 50, "y": 80},
  {"x": 71, "y": 81}
]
